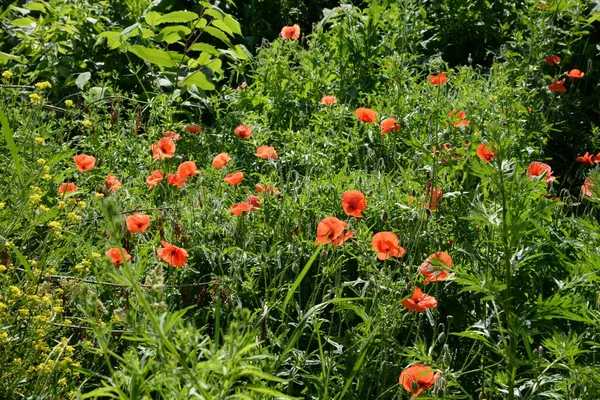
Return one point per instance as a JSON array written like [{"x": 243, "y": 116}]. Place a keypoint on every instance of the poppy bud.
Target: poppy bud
[
  {"x": 384, "y": 217},
  {"x": 450, "y": 243},
  {"x": 477, "y": 229},
  {"x": 449, "y": 318},
  {"x": 414, "y": 386}
]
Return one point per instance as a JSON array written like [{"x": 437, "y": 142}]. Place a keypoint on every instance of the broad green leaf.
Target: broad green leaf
[
  {"x": 27, "y": 21},
  {"x": 204, "y": 47},
  {"x": 36, "y": 7},
  {"x": 5, "y": 57},
  {"x": 199, "y": 79},
  {"x": 154, "y": 56},
  {"x": 214, "y": 32},
  {"x": 222, "y": 26},
  {"x": 177, "y": 17},
  {"x": 112, "y": 39},
  {"x": 152, "y": 18},
  {"x": 215, "y": 66},
  {"x": 12, "y": 147},
  {"x": 82, "y": 79},
  {"x": 213, "y": 12},
  {"x": 172, "y": 34},
  {"x": 242, "y": 52},
  {"x": 233, "y": 25}
]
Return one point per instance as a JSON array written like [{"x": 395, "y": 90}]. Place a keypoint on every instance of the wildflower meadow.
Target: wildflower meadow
[{"x": 284, "y": 199}]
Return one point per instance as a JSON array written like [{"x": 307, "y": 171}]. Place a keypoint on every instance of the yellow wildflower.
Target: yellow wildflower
[
  {"x": 23, "y": 311},
  {"x": 7, "y": 74},
  {"x": 54, "y": 225},
  {"x": 73, "y": 217},
  {"x": 41, "y": 161},
  {"x": 35, "y": 98},
  {"x": 35, "y": 199},
  {"x": 46, "y": 177},
  {"x": 14, "y": 291},
  {"x": 39, "y": 140},
  {"x": 69, "y": 103},
  {"x": 68, "y": 322},
  {"x": 45, "y": 169},
  {"x": 3, "y": 268},
  {"x": 2, "y": 205},
  {"x": 62, "y": 381},
  {"x": 43, "y": 85},
  {"x": 86, "y": 262},
  {"x": 99, "y": 196},
  {"x": 87, "y": 123},
  {"x": 96, "y": 255},
  {"x": 81, "y": 204},
  {"x": 3, "y": 336},
  {"x": 61, "y": 204},
  {"x": 17, "y": 361}
]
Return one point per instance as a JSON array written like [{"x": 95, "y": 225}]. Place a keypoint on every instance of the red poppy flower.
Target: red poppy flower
[
  {"x": 155, "y": 178},
  {"x": 172, "y": 135},
  {"x": 439, "y": 79},
  {"x": 234, "y": 179},
  {"x": 575, "y": 74},
  {"x": 193, "y": 128},
  {"x": 137, "y": 223},
  {"x": 366, "y": 114},
  {"x": 588, "y": 187},
  {"x": 537, "y": 168},
  {"x": 67, "y": 187},
  {"x": 459, "y": 119},
  {"x": 243, "y": 131},
  {"x": 84, "y": 162},
  {"x": 353, "y": 203},
  {"x": 112, "y": 182},
  {"x": 187, "y": 169},
  {"x": 331, "y": 229},
  {"x": 165, "y": 148},
  {"x": 435, "y": 267},
  {"x": 239, "y": 208},
  {"x": 266, "y": 152},
  {"x": 388, "y": 125},
  {"x": 557, "y": 86},
  {"x": 597, "y": 158},
  {"x": 176, "y": 180},
  {"x": 587, "y": 159},
  {"x": 419, "y": 301},
  {"x": 221, "y": 160},
  {"x": 436, "y": 196},
  {"x": 417, "y": 378},
  {"x": 328, "y": 100},
  {"x": 387, "y": 245},
  {"x": 553, "y": 59},
  {"x": 172, "y": 255},
  {"x": 254, "y": 201},
  {"x": 485, "y": 153},
  {"x": 115, "y": 255},
  {"x": 268, "y": 189},
  {"x": 290, "y": 32}
]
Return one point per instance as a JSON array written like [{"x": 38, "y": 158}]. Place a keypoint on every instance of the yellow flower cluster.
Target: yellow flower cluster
[
  {"x": 7, "y": 74},
  {"x": 69, "y": 103},
  {"x": 35, "y": 98},
  {"x": 39, "y": 140},
  {"x": 43, "y": 85}
]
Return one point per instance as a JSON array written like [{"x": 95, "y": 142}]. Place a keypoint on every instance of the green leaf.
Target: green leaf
[
  {"x": 177, "y": 17},
  {"x": 36, "y": 7},
  {"x": 152, "y": 18},
  {"x": 233, "y": 25},
  {"x": 172, "y": 34},
  {"x": 204, "y": 47},
  {"x": 112, "y": 39},
  {"x": 5, "y": 57},
  {"x": 216, "y": 33},
  {"x": 271, "y": 393},
  {"x": 154, "y": 56},
  {"x": 8, "y": 136},
  {"x": 222, "y": 26},
  {"x": 299, "y": 278},
  {"x": 82, "y": 79},
  {"x": 199, "y": 79},
  {"x": 23, "y": 261},
  {"x": 27, "y": 21}
]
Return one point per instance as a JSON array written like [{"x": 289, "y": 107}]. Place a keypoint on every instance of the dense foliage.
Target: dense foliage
[{"x": 381, "y": 202}]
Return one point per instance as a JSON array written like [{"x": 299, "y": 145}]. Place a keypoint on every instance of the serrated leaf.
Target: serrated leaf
[
  {"x": 177, "y": 17},
  {"x": 213, "y": 12},
  {"x": 233, "y": 24},
  {"x": 199, "y": 79},
  {"x": 204, "y": 47},
  {"x": 222, "y": 26},
  {"x": 82, "y": 79},
  {"x": 153, "y": 56},
  {"x": 172, "y": 34},
  {"x": 216, "y": 33}
]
